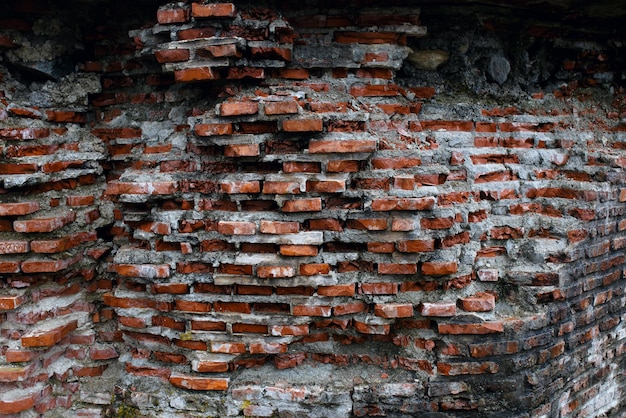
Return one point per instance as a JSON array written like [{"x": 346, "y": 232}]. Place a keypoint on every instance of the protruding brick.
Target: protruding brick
[
  {"x": 44, "y": 224},
  {"x": 198, "y": 383},
  {"x": 48, "y": 337},
  {"x": 274, "y": 272},
  {"x": 394, "y": 310},
  {"x": 233, "y": 187},
  {"x": 479, "y": 302},
  {"x": 281, "y": 108},
  {"x": 213, "y": 10},
  {"x": 476, "y": 329},
  {"x": 196, "y": 74},
  {"x": 438, "y": 309},
  {"x": 337, "y": 290},
  {"x": 241, "y": 150},
  {"x": 148, "y": 271},
  {"x": 14, "y": 247},
  {"x": 172, "y": 55},
  {"x": 167, "y": 15},
  {"x": 408, "y": 203},
  {"x": 303, "y": 205},
  {"x": 298, "y": 250},
  {"x": 213, "y": 129},
  {"x": 341, "y": 146},
  {"x": 238, "y": 108},
  {"x": 434, "y": 268},
  {"x": 236, "y": 228},
  {"x": 416, "y": 246},
  {"x": 18, "y": 209},
  {"x": 397, "y": 268},
  {"x": 279, "y": 227},
  {"x": 303, "y": 125},
  {"x": 9, "y": 302}
]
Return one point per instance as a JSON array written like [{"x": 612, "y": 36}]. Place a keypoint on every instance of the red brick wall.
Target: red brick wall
[{"x": 269, "y": 211}]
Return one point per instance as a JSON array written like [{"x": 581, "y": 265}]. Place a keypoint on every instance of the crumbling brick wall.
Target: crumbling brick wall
[{"x": 324, "y": 210}]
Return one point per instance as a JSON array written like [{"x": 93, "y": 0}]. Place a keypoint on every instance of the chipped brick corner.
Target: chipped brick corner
[{"x": 232, "y": 210}]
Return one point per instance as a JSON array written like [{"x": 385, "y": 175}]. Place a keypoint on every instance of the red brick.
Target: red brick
[
  {"x": 48, "y": 266},
  {"x": 438, "y": 309},
  {"x": 9, "y": 302},
  {"x": 476, "y": 329},
  {"x": 279, "y": 227},
  {"x": 381, "y": 247},
  {"x": 303, "y": 205},
  {"x": 479, "y": 302},
  {"x": 241, "y": 150},
  {"x": 44, "y": 224},
  {"x": 378, "y": 288},
  {"x": 213, "y": 129},
  {"x": 103, "y": 353},
  {"x": 170, "y": 288},
  {"x": 202, "y": 325},
  {"x": 394, "y": 310},
  {"x": 281, "y": 187},
  {"x": 218, "y": 51},
  {"x": 374, "y": 90},
  {"x": 372, "y": 329},
  {"x": 250, "y": 328},
  {"x": 301, "y": 167},
  {"x": 343, "y": 166},
  {"x": 80, "y": 200},
  {"x": 326, "y": 186},
  {"x": 411, "y": 204},
  {"x": 313, "y": 269},
  {"x": 303, "y": 125},
  {"x": 281, "y": 108},
  {"x": 14, "y": 247},
  {"x": 148, "y": 271},
  {"x": 172, "y": 55},
  {"x": 267, "y": 348},
  {"x": 336, "y": 290},
  {"x": 62, "y": 244},
  {"x": 349, "y": 308},
  {"x": 196, "y": 74},
  {"x": 402, "y": 225},
  {"x": 18, "y": 209},
  {"x": 396, "y": 268},
  {"x": 47, "y": 338},
  {"x": 198, "y": 383},
  {"x": 227, "y": 347},
  {"x": 240, "y": 307},
  {"x": 18, "y": 402},
  {"x": 236, "y": 228},
  {"x": 455, "y": 369},
  {"x": 369, "y": 224},
  {"x": 153, "y": 188},
  {"x": 272, "y": 272},
  {"x": 416, "y": 246},
  {"x": 437, "y": 223},
  {"x": 16, "y": 355},
  {"x": 341, "y": 146},
  {"x": 298, "y": 250},
  {"x": 24, "y": 133},
  {"x": 234, "y": 187},
  {"x": 434, "y": 268},
  {"x": 213, "y": 10},
  {"x": 166, "y": 15},
  {"x": 325, "y": 225},
  {"x": 311, "y": 310},
  {"x": 238, "y": 108}
]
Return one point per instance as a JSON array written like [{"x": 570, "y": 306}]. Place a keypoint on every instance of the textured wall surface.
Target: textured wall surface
[{"x": 316, "y": 210}]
